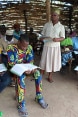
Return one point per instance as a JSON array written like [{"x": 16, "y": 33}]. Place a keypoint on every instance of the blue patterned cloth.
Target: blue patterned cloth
[{"x": 66, "y": 57}]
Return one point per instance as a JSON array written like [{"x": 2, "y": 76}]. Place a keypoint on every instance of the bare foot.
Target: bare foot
[{"x": 50, "y": 80}]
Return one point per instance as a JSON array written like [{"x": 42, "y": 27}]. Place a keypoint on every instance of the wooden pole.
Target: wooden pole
[
  {"x": 24, "y": 12},
  {"x": 48, "y": 10},
  {"x": 70, "y": 16}
]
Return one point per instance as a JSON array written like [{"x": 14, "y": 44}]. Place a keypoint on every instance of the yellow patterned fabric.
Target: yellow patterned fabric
[
  {"x": 56, "y": 10},
  {"x": 0, "y": 50}
]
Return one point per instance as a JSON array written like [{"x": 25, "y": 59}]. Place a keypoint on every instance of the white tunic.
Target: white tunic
[{"x": 51, "y": 55}]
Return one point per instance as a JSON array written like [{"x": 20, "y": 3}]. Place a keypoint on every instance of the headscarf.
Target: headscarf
[{"x": 56, "y": 10}]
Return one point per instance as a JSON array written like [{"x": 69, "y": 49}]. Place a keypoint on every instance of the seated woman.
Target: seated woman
[
  {"x": 17, "y": 31},
  {"x": 66, "y": 49}
]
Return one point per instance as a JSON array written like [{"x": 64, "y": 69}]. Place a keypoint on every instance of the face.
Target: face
[
  {"x": 3, "y": 32},
  {"x": 17, "y": 29},
  {"x": 9, "y": 37},
  {"x": 23, "y": 45},
  {"x": 54, "y": 17}
]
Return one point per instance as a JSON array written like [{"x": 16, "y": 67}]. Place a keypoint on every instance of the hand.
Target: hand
[
  {"x": 1, "y": 73},
  {"x": 55, "y": 39},
  {"x": 33, "y": 70},
  {"x": 28, "y": 72},
  {"x": 41, "y": 39}
]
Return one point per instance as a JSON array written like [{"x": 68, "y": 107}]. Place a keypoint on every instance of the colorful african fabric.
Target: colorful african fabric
[
  {"x": 18, "y": 56},
  {"x": 66, "y": 57}
]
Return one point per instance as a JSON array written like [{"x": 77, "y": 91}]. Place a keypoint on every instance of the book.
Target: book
[
  {"x": 46, "y": 39},
  {"x": 2, "y": 67},
  {"x": 75, "y": 52},
  {"x": 76, "y": 68},
  {"x": 19, "y": 69}
]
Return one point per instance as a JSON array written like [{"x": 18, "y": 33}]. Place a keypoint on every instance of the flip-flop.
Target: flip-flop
[
  {"x": 23, "y": 114},
  {"x": 42, "y": 103}
]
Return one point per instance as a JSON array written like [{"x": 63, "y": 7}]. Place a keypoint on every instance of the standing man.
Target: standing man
[
  {"x": 22, "y": 52},
  {"x": 54, "y": 32}
]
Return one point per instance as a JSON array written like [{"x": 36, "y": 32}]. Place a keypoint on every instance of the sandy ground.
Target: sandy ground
[{"x": 61, "y": 96}]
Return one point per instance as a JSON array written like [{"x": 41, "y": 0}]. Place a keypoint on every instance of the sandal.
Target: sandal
[
  {"x": 42, "y": 103},
  {"x": 23, "y": 114}
]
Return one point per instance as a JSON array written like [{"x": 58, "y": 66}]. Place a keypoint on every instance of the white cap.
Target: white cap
[{"x": 9, "y": 32}]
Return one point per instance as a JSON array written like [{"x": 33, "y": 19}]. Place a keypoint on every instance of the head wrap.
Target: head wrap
[{"x": 56, "y": 10}]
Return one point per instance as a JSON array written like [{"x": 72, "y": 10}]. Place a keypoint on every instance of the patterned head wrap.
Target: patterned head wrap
[{"x": 56, "y": 10}]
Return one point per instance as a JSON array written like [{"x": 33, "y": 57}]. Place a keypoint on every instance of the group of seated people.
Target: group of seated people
[
  {"x": 16, "y": 48},
  {"x": 13, "y": 51}
]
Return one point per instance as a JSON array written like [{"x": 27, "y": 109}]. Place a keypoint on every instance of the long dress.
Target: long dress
[{"x": 51, "y": 55}]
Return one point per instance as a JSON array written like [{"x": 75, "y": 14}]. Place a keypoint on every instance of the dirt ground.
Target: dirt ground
[{"x": 61, "y": 96}]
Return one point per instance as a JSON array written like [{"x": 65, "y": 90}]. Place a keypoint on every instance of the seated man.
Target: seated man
[
  {"x": 5, "y": 78},
  {"x": 6, "y": 38},
  {"x": 22, "y": 53}
]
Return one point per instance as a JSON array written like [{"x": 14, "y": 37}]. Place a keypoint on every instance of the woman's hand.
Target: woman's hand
[
  {"x": 41, "y": 39},
  {"x": 58, "y": 39},
  {"x": 55, "y": 39}
]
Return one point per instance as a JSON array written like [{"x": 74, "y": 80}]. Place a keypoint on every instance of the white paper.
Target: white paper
[
  {"x": 46, "y": 40},
  {"x": 75, "y": 52},
  {"x": 76, "y": 68},
  {"x": 19, "y": 69},
  {"x": 2, "y": 67},
  {"x": 3, "y": 52}
]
